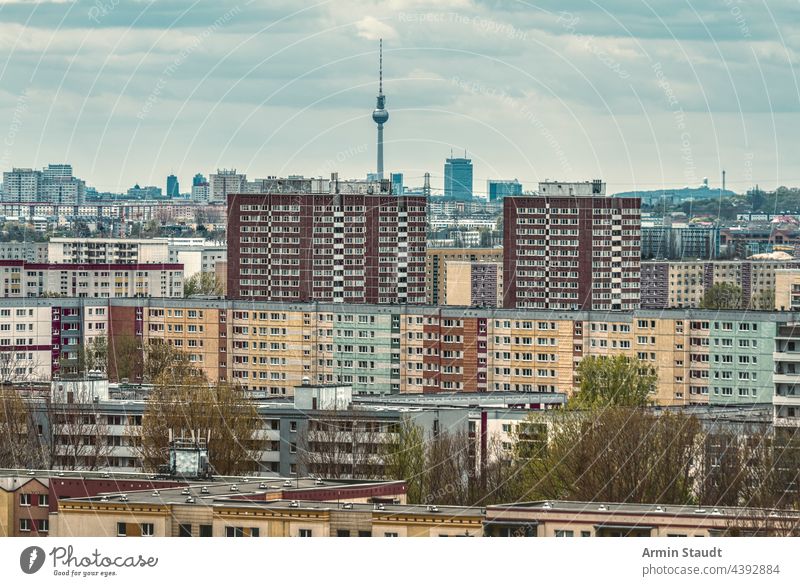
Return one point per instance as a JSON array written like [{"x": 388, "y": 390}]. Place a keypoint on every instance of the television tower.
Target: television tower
[{"x": 379, "y": 114}]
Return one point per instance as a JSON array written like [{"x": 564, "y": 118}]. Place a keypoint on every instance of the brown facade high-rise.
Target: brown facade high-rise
[
  {"x": 334, "y": 247},
  {"x": 571, "y": 247}
]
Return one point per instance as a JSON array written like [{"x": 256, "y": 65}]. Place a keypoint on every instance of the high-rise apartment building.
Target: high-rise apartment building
[
  {"x": 458, "y": 178},
  {"x": 54, "y": 184},
  {"x": 571, "y": 247},
  {"x": 338, "y": 247},
  {"x": 224, "y": 182}
]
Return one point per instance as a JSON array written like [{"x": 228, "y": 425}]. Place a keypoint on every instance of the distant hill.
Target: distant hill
[{"x": 676, "y": 195}]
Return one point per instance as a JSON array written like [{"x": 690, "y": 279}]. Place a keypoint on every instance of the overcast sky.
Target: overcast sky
[{"x": 641, "y": 93}]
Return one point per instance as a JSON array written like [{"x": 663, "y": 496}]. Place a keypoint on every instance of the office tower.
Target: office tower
[
  {"x": 458, "y": 178},
  {"x": 173, "y": 188},
  {"x": 498, "y": 189},
  {"x": 571, "y": 247},
  {"x": 199, "y": 179},
  {"x": 337, "y": 247},
  {"x": 397, "y": 183}
]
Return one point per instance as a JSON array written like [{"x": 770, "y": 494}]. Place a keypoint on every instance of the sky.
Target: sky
[{"x": 640, "y": 93}]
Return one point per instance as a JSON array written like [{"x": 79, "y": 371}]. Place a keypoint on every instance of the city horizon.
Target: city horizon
[{"x": 216, "y": 73}]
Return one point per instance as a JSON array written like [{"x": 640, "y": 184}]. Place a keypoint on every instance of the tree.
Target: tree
[
  {"x": 341, "y": 445},
  {"x": 405, "y": 459},
  {"x": 96, "y": 354},
  {"x": 164, "y": 363},
  {"x": 19, "y": 446},
  {"x": 722, "y": 296},
  {"x": 763, "y": 300},
  {"x": 203, "y": 284},
  {"x": 125, "y": 357},
  {"x": 78, "y": 437},
  {"x": 223, "y": 411},
  {"x": 615, "y": 380},
  {"x": 615, "y": 454}
]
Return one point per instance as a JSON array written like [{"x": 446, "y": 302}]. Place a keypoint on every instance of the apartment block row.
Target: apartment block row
[
  {"x": 716, "y": 357},
  {"x": 684, "y": 283},
  {"x": 24, "y": 279},
  {"x": 94, "y": 505}
]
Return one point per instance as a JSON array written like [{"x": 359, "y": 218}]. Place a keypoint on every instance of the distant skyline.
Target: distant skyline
[{"x": 639, "y": 95}]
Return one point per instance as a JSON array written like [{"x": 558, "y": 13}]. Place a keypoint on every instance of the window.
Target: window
[
  {"x": 44, "y": 500},
  {"x": 564, "y": 533},
  {"x": 342, "y": 533},
  {"x": 586, "y": 533},
  {"x": 234, "y": 532},
  {"x": 365, "y": 533},
  {"x": 184, "y": 530},
  {"x": 148, "y": 530},
  {"x": 292, "y": 426},
  {"x": 24, "y": 500},
  {"x": 24, "y": 524},
  {"x": 206, "y": 531},
  {"x": 44, "y": 526},
  {"x": 390, "y": 534},
  {"x": 305, "y": 533},
  {"x": 122, "y": 529},
  {"x": 255, "y": 532}
]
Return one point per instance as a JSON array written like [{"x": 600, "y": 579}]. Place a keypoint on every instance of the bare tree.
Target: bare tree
[
  {"x": 342, "y": 445},
  {"x": 19, "y": 446},
  {"x": 78, "y": 437},
  {"x": 222, "y": 411}
]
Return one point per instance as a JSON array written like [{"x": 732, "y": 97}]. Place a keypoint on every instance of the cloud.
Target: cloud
[{"x": 372, "y": 29}]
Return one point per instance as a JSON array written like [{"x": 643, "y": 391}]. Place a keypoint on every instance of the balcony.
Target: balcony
[
  {"x": 788, "y": 379},
  {"x": 786, "y": 356},
  {"x": 787, "y": 400}
]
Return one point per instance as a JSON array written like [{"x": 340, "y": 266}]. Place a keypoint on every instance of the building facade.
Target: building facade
[
  {"x": 498, "y": 189},
  {"x": 678, "y": 242},
  {"x": 474, "y": 284},
  {"x": 23, "y": 279},
  {"x": 436, "y": 260},
  {"x": 341, "y": 247},
  {"x": 685, "y": 283},
  {"x": 571, "y": 247}
]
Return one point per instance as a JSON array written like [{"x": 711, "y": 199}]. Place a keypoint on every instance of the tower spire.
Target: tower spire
[{"x": 379, "y": 114}]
